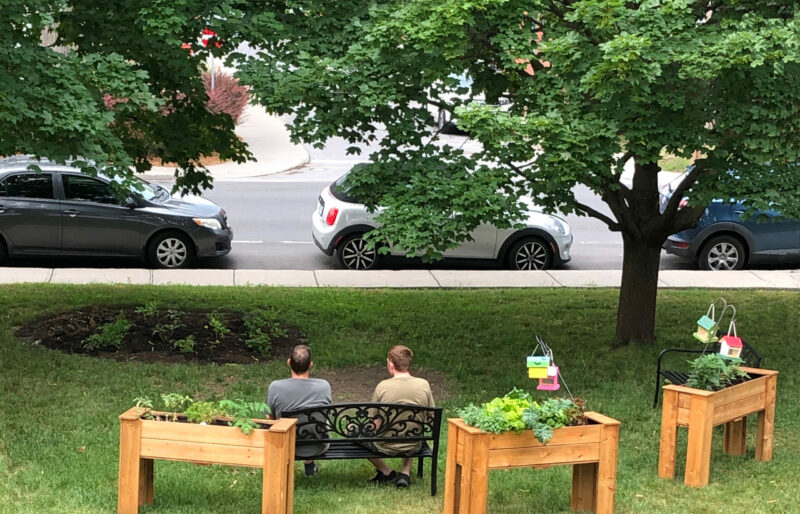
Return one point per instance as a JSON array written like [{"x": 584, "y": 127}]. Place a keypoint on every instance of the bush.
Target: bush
[
  {"x": 227, "y": 96},
  {"x": 109, "y": 335}
]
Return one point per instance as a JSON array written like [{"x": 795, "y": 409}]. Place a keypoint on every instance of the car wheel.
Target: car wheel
[
  {"x": 353, "y": 253},
  {"x": 722, "y": 253},
  {"x": 530, "y": 253},
  {"x": 170, "y": 250},
  {"x": 3, "y": 252}
]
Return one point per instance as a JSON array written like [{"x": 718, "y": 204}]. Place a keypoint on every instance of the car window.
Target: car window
[
  {"x": 340, "y": 191},
  {"x": 28, "y": 185},
  {"x": 87, "y": 189}
]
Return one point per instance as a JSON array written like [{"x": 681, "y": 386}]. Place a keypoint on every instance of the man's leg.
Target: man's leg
[
  {"x": 310, "y": 468},
  {"x": 385, "y": 473},
  {"x": 404, "y": 478}
]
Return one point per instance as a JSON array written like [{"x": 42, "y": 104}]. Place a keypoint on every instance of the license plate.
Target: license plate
[{"x": 321, "y": 207}]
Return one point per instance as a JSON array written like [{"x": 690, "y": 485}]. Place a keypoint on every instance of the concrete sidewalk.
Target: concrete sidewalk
[
  {"x": 266, "y": 137},
  {"x": 434, "y": 279}
]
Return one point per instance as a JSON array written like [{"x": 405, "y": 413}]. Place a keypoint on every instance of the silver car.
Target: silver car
[
  {"x": 59, "y": 211},
  {"x": 339, "y": 223}
]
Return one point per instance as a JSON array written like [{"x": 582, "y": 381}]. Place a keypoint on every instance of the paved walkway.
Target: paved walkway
[
  {"x": 266, "y": 137},
  {"x": 436, "y": 279}
]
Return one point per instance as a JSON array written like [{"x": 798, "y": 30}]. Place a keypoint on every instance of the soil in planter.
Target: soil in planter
[{"x": 67, "y": 332}]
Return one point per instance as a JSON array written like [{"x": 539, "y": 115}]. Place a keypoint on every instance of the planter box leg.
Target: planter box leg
[
  {"x": 735, "y": 442},
  {"x": 766, "y": 422},
  {"x": 607, "y": 470},
  {"x": 145, "y": 481},
  {"x": 131, "y": 471},
  {"x": 584, "y": 486},
  {"x": 698, "y": 451},
  {"x": 669, "y": 435},
  {"x": 277, "y": 490},
  {"x": 452, "y": 472}
]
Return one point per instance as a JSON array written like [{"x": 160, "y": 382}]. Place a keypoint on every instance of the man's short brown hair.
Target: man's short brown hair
[
  {"x": 401, "y": 356},
  {"x": 300, "y": 360}
]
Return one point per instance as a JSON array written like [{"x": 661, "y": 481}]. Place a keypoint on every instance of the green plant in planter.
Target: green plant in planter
[
  {"x": 202, "y": 412},
  {"x": 243, "y": 413},
  {"x": 517, "y": 411},
  {"x": 713, "y": 372},
  {"x": 110, "y": 335},
  {"x": 175, "y": 403}
]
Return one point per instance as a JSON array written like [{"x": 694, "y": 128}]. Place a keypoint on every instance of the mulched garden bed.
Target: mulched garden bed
[{"x": 151, "y": 337}]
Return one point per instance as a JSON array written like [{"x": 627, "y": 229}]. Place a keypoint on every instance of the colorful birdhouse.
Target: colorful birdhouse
[
  {"x": 706, "y": 330},
  {"x": 550, "y": 382},
  {"x": 730, "y": 346},
  {"x": 537, "y": 366}
]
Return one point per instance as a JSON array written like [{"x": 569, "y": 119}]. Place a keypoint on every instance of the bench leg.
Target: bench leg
[
  {"x": 433, "y": 476},
  {"x": 419, "y": 468}
]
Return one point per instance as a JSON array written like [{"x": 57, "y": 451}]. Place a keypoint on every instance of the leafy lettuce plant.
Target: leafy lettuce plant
[{"x": 517, "y": 411}]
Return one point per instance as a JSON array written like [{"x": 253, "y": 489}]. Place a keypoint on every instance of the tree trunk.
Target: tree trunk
[{"x": 636, "y": 313}]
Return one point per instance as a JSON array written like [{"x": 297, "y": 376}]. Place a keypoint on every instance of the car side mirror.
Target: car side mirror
[{"x": 131, "y": 202}]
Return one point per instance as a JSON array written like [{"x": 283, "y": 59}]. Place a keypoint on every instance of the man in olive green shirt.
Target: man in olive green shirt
[{"x": 401, "y": 388}]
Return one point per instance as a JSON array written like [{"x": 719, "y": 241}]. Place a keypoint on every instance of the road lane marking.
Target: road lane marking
[{"x": 247, "y": 242}]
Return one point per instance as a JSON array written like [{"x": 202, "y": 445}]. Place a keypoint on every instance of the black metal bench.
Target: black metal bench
[
  {"x": 344, "y": 427},
  {"x": 749, "y": 355}
]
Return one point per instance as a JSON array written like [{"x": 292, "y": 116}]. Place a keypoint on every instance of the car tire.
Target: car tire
[
  {"x": 3, "y": 252},
  {"x": 353, "y": 254},
  {"x": 722, "y": 253},
  {"x": 529, "y": 254},
  {"x": 170, "y": 250}
]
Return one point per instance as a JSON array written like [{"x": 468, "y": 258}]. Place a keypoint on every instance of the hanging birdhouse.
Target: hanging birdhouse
[
  {"x": 537, "y": 366},
  {"x": 706, "y": 330},
  {"x": 730, "y": 346},
  {"x": 550, "y": 382}
]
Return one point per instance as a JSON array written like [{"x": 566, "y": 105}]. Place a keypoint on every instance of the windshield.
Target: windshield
[
  {"x": 340, "y": 191},
  {"x": 144, "y": 189}
]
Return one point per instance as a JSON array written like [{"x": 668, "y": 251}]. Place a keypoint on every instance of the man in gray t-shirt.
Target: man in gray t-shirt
[{"x": 300, "y": 392}]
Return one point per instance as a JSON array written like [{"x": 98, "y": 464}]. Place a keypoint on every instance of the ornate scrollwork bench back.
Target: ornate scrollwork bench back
[{"x": 345, "y": 427}]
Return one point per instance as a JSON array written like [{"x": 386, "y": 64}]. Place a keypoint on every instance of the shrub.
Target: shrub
[
  {"x": 108, "y": 335},
  {"x": 227, "y": 96}
]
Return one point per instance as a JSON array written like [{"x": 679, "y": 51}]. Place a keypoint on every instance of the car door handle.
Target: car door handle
[
  {"x": 2, "y": 209},
  {"x": 72, "y": 213},
  {"x": 738, "y": 212}
]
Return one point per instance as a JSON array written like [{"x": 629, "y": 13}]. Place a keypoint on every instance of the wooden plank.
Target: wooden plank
[
  {"x": 479, "y": 471},
  {"x": 737, "y": 409},
  {"x": 129, "y": 462},
  {"x": 669, "y": 434},
  {"x": 450, "y": 483},
  {"x": 686, "y": 390},
  {"x": 600, "y": 419},
  {"x": 543, "y": 455},
  {"x": 607, "y": 470},
  {"x": 761, "y": 372},
  {"x": 584, "y": 486},
  {"x": 741, "y": 391},
  {"x": 201, "y": 434},
  {"x": 561, "y": 436},
  {"x": 698, "y": 451},
  {"x": 735, "y": 442},
  {"x": 682, "y": 418},
  {"x": 766, "y": 421},
  {"x": 684, "y": 401},
  {"x": 203, "y": 453}
]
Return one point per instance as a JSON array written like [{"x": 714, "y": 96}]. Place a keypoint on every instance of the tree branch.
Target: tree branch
[{"x": 613, "y": 225}]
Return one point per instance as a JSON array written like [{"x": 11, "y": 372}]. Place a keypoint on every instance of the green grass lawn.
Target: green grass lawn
[{"x": 59, "y": 431}]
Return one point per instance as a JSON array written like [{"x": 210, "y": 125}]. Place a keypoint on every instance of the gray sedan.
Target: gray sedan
[{"x": 59, "y": 211}]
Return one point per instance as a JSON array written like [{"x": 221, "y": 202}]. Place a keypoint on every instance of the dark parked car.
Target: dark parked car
[
  {"x": 723, "y": 240},
  {"x": 59, "y": 211}
]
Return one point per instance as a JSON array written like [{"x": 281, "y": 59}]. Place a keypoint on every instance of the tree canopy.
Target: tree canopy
[
  {"x": 109, "y": 83},
  {"x": 591, "y": 85}
]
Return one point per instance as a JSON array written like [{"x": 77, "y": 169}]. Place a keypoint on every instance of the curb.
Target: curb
[{"x": 402, "y": 279}]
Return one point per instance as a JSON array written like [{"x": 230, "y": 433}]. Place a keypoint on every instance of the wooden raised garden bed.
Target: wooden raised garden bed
[
  {"x": 702, "y": 410},
  {"x": 591, "y": 449},
  {"x": 142, "y": 441}
]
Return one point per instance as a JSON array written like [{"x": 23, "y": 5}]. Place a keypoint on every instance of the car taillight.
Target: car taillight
[
  {"x": 683, "y": 203},
  {"x": 681, "y": 245},
  {"x": 332, "y": 213}
]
